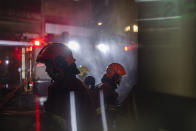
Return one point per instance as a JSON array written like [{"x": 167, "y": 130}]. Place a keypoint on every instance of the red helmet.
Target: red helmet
[
  {"x": 115, "y": 69},
  {"x": 56, "y": 52}
]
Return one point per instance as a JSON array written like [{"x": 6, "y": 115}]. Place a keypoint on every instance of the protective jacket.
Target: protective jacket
[
  {"x": 58, "y": 103},
  {"x": 108, "y": 87}
]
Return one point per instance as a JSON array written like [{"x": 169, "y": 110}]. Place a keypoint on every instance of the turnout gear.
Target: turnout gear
[
  {"x": 105, "y": 96},
  {"x": 106, "y": 102},
  {"x": 61, "y": 106},
  {"x": 58, "y": 102}
]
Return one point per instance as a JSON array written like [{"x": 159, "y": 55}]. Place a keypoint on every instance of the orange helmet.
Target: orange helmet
[
  {"x": 114, "y": 70},
  {"x": 57, "y": 53}
]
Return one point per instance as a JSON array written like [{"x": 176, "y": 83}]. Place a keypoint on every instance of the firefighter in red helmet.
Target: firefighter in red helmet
[
  {"x": 68, "y": 104},
  {"x": 106, "y": 96},
  {"x": 115, "y": 72}
]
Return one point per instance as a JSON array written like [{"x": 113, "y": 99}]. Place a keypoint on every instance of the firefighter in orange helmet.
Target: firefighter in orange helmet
[
  {"x": 114, "y": 72},
  {"x": 110, "y": 80},
  {"x": 61, "y": 67}
]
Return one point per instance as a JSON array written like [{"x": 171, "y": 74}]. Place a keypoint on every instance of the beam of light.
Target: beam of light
[
  {"x": 103, "y": 114},
  {"x": 14, "y": 43},
  {"x": 73, "y": 111},
  {"x": 126, "y": 48},
  {"x": 127, "y": 28},
  {"x": 103, "y": 48},
  {"x": 28, "y": 49},
  {"x": 131, "y": 47},
  {"x": 73, "y": 45},
  {"x": 37, "y": 112},
  {"x": 99, "y": 23},
  {"x": 37, "y": 43},
  {"x": 135, "y": 28},
  {"x": 7, "y": 62},
  {"x": 42, "y": 100}
]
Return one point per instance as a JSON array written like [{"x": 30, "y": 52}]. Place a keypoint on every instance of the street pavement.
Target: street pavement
[{"x": 18, "y": 113}]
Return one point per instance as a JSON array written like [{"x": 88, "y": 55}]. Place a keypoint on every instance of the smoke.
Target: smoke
[{"x": 97, "y": 61}]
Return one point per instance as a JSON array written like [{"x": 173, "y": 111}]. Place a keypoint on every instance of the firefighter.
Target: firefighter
[
  {"x": 106, "y": 96},
  {"x": 89, "y": 82},
  {"x": 68, "y": 106},
  {"x": 84, "y": 71}
]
